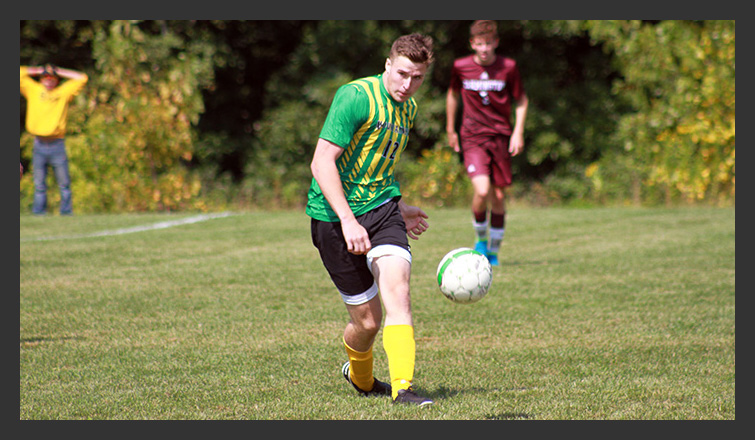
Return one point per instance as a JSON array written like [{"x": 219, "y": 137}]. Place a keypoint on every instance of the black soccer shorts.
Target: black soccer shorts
[{"x": 351, "y": 273}]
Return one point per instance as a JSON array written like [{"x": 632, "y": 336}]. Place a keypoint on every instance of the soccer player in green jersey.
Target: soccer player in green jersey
[{"x": 359, "y": 222}]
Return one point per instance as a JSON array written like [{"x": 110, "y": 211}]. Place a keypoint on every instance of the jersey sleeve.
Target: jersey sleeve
[
  {"x": 347, "y": 113},
  {"x": 27, "y": 83},
  {"x": 73, "y": 87}
]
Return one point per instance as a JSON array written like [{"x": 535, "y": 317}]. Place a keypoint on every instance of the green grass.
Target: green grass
[{"x": 610, "y": 313}]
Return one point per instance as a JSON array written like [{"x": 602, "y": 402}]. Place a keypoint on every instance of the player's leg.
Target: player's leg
[
  {"x": 501, "y": 177},
  {"x": 480, "y": 201},
  {"x": 359, "y": 293},
  {"x": 392, "y": 273},
  {"x": 358, "y": 338},
  {"x": 497, "y": 223},
  {"x": 363, "y": 325},
  {"x": 477, "y": 163}
]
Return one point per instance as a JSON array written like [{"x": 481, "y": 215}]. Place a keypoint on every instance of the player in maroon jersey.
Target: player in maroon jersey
[{"x": 489, "y": 86}]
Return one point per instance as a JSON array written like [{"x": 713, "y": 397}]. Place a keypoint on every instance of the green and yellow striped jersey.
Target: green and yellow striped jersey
[{"x": 373, "y": 129}]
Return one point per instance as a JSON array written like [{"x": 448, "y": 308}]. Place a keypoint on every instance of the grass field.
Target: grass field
[{"x": 610, "y": 313}]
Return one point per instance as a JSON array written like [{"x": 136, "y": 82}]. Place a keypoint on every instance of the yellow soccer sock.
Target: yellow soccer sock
[
  {"x": 360, "y": 367},
  {"x": 398, "y": 341}
]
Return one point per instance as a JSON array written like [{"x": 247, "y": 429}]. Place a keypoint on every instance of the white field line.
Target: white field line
[{"x": 159, "y": 225}]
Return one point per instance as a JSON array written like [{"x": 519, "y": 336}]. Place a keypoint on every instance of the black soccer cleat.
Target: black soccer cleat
[
  {"x": 378, "y": 388},
  {"x": 409, "y": 396}
]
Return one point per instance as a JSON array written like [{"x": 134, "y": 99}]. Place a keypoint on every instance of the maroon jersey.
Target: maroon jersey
[{"x": 486, "y": 93}]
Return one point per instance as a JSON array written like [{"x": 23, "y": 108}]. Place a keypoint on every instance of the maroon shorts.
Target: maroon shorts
[{"x": 488, "y": 156}]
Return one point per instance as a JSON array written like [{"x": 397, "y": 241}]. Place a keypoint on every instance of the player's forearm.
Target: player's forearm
[
  {"x": 33, "y": 70},
  {"x": 333, "y": 192},
  {"x": 402, "y": 206},
  {"x": 521, "y": 115},
  {"x": 69, "y": 73},
  {"x": 452, "y": 106}
]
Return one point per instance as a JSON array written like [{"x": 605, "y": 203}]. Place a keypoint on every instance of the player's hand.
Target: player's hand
[
  {"x": 356, "y": 237},
  {"x": 516, "y": 144},
  {"x": 453, "y": 140},
  {"x": 415, "y": 219}
]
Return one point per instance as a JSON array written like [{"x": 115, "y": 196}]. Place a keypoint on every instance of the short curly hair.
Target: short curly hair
[
  {"x": 417, "y": 47},
  {"x": 483, "y": 28}
]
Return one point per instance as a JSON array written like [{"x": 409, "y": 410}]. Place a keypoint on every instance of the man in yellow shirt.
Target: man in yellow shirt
[{"x": 46, "y": 114}]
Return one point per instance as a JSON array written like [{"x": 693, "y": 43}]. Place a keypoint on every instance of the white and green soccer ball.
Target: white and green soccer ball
[{"x": 464, "y": 275}]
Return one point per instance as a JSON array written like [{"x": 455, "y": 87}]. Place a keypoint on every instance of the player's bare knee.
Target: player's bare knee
[{"x": 367, "y": 327}]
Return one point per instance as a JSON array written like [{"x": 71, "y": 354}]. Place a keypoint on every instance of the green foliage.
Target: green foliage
[
  {"x": 204, "y": 114},
  {"x": 435, "y": 179},
  {"x": 680, "y": 78},
  {"x": 138, "y": 111},
  {"x": 571, "y": 112},
  {"x": 278, "y": 172},
  {"x": 144, "y": 103}
]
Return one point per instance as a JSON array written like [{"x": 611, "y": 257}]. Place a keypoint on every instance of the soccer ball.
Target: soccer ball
[{"x": 464, "y": 275}]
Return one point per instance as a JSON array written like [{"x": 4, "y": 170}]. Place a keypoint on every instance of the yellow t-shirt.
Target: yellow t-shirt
[{"x": 47, "y": 110}]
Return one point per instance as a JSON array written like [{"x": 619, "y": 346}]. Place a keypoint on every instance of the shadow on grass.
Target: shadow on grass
[
  {"x": 39, "y": 340},
  {"x": 442, "y": 393}
]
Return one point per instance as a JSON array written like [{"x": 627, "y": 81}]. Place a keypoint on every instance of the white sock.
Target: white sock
[
  {"x": 496, "y": 237},
  {"x": 481, "y": 230}
]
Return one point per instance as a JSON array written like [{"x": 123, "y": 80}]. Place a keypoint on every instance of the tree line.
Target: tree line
[{"x": 212, "y": 114}]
